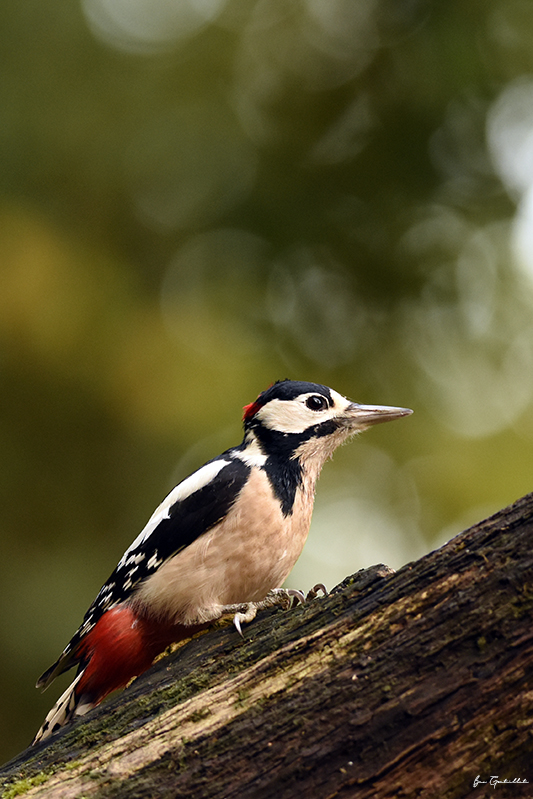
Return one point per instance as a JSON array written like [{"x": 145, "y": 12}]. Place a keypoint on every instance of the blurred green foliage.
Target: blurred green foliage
[{"x": 197, "y": 198}]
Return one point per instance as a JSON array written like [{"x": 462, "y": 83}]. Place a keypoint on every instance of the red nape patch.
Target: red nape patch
[{"x": 250, "y": 410}]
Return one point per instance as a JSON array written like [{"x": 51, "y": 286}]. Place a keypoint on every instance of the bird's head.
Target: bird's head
[{"x": 302, "y": 420}]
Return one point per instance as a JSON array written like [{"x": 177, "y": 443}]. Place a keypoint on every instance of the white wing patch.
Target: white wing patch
[{"x": 193, "y": 483}]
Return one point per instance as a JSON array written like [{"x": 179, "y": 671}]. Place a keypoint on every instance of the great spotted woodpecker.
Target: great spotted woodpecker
[{"x": 221, "y": 543}]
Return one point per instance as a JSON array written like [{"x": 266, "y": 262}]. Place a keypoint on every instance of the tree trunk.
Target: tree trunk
[{"x": 412, "y": 683}]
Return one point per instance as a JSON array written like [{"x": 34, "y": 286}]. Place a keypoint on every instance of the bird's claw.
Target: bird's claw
[
  {"x": 313, "y": 593},
  {"x": 285, "y": 597},
  {"x": 296, "y": 595},
  {"x": 245, "y": 613}
]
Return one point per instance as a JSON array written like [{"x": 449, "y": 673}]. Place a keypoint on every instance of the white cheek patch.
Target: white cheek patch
[
  {"x": 293, "y": 416},
  {"x": 193, "y": 483},
  {"x": 286, "y": 416}
]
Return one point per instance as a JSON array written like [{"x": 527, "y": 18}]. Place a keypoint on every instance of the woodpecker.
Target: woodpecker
[{"x": 221, "y": 544}]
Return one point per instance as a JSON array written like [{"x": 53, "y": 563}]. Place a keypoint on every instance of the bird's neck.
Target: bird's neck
[{"x": 287, "y": 470}]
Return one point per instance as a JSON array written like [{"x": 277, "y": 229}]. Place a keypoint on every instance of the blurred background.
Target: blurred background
[{"x": 198, "y": 197}]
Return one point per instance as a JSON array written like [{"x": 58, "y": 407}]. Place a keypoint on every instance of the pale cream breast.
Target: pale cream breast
[{"x": 240, "y": 560}]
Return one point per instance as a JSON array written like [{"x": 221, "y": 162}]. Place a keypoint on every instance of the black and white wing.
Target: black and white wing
[{"x": 192, "y": 508}]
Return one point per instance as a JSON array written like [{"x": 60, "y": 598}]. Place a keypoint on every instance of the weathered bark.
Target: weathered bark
[{"x": 398, "y": 684}]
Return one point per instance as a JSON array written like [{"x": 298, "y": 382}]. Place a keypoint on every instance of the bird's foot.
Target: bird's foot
[
  {"x": 284, "y": 597},
  {"x": 246, "y": 611}
]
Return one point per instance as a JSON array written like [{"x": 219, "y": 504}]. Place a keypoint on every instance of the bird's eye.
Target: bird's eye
[{"x": 316, "y": 403}]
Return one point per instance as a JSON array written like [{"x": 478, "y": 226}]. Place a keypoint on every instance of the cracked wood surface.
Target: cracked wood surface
[{"x": 397, "y": 684}]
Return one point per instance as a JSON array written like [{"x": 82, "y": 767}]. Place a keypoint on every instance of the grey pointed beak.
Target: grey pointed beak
[{"x": 367, "y": 415}]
